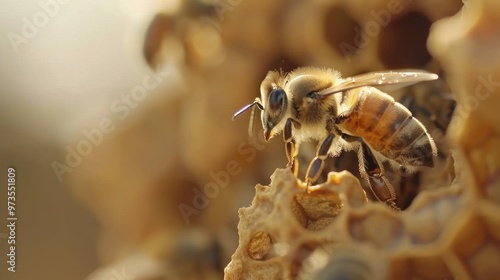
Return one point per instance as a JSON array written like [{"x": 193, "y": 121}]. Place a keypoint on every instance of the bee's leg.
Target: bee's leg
[
  {"x": 291, "y": 147},
  {"x": 372, "y": 171},
  {"x": 317, "y": 164},
  {"x": 380, "y": 186}
]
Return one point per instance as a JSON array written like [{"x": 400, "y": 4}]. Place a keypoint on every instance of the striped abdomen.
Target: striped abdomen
[{"x": 390, "y": 128}]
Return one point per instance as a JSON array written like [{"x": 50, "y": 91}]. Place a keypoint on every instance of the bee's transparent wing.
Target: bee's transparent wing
[{"x": 401, "y": 77}]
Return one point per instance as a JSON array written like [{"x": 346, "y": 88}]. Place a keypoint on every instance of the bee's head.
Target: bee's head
[
  {"x": 273, "y": 104},
  {"x": 274, "y": 111}
]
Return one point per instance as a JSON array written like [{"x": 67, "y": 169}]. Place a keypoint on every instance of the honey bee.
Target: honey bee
[{"x": 345, "y": 114}]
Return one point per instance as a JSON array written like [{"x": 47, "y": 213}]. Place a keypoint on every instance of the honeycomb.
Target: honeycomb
[
  {"x": 331, "y": 231},
  {"x": 277, "y": 250}
]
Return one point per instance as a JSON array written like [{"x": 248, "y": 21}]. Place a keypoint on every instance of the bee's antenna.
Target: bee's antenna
[
  {"x": 242, "y": 110},
  {"x": 252, "y": 114},
  {"x": 252, "y": 121}
]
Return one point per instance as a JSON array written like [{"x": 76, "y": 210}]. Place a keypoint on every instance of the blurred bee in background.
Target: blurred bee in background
[
  {"x": 344, "y": 115},
  {"x": 433, "y": 104}
]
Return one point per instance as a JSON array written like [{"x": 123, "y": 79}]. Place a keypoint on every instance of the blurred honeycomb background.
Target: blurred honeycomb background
[{"x": 123, "y": 133}]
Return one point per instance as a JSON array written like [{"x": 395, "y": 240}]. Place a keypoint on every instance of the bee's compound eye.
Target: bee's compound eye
[{"x": 277, "y": 98}]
